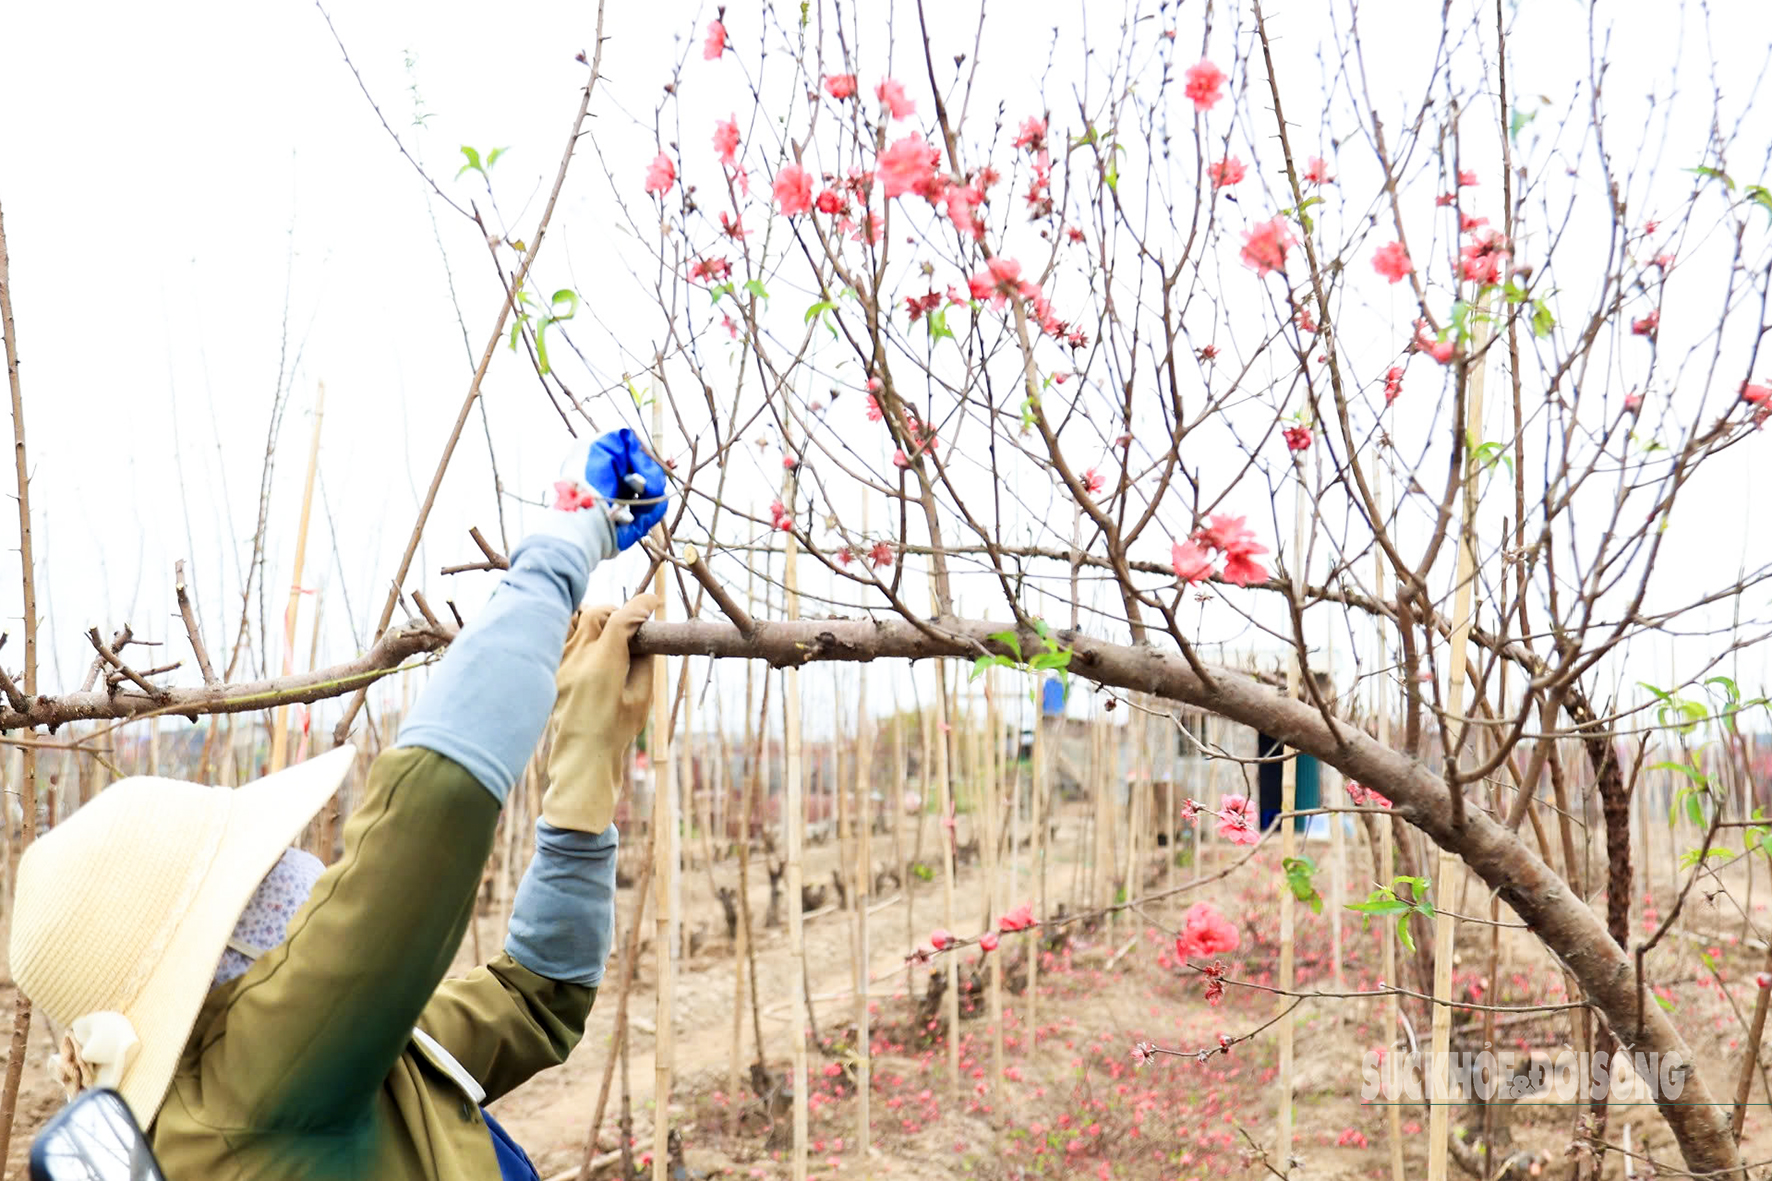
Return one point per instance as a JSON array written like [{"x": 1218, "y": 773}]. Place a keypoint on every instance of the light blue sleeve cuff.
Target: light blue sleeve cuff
[
  {"x": 563, "y": 919},
  {"x": 489, "y": 700}
]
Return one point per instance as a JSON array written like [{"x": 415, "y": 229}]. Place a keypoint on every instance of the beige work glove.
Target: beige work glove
[{"x": 601, "y": 706}]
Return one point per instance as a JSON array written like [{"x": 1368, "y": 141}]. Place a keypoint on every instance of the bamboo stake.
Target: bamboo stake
[
  {"x": 664, "y": 867},
  {"x": 1037, "y": 775},
  {"x": 895, "y": 801},
  {"x": 679, "y": 928},
  {"x": 1288, "y": 850},
  {"x": 949, "y": 835},
  {"x": 993, "y": 881},
  {"x": 925, "y": 781},
  {"x": 1439, "y": 1115},
  {"x": 1104, "y": 827},
  {"x": 794, "y": 819},
  {"x": 742, "y": 929},
  {"x": 754, "y": 785},
  {"x": 864, "y": 881},
  {"x": 1337, "y": 856},
  {"x": 1295, "y": 673},
  {"x": 1387, "y": 858},
  {"x": 1139, "y": 824},
  {"x": 280, "y": 728},
  {"x": 1172, "y": 791}
]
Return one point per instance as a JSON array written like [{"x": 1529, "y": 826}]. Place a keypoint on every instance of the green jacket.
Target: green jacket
[{"x": 306, "y": 1066}]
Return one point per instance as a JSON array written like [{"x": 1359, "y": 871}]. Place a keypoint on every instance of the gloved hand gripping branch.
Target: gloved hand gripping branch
[
  {"x": 493, "y": 691},
  {"x": 621, "y": 485},
  {"x": 489, "y": 699}
]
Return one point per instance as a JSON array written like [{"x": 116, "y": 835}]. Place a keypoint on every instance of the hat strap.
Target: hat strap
[{"x": 244, "y": 948}]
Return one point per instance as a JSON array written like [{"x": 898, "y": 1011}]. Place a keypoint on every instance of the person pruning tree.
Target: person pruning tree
[{"x": 267, "y": 1018}]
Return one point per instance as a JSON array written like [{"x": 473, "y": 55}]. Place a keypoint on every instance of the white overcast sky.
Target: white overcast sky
[{"x": 174, "y": 177}]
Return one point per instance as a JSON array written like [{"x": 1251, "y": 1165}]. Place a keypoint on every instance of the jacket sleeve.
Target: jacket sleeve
[
  {"x": 320, "y": 1020},
  {"x": 505, "y": 1024}
]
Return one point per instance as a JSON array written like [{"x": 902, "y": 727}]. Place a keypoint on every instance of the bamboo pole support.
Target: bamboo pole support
[
  {"x": 1337, "y": 857},
  {"x": 993, "y": 805},
  {"x": 794, "y": 821},
  {"x": 664, "y": 868},
  {"x": 1172, "y": 790},
  {"x": 1037, "y": 786},
  {"x": 1098, "y": 781},
  {"x": 895, "y": 801},
  {"x": 742, "y": 929},
  {"x": 949, "y": 836},
  {"x": 280, "y": 726},
  {"x": 864, "y": 882},
  {"x": 1440, "y": 1080},
  {"x": 1387, "y": 856},
  {"x": 682, "y": 778},
  {"x": 1295, "y": 673}
]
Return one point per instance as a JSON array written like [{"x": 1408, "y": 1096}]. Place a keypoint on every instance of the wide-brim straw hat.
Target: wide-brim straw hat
[{"x": 122, "y": 913}]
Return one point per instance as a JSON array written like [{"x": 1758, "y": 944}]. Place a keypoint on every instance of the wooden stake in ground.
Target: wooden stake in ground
[
  {"x": 1038, "y": 788},
  {"x": 1288, "y": 850},
  {"x": 993, "y": 805},
  {"x": 1295, "y": 674},
  {"x": 1337, "y": 854},
  {"x": 664, "y": 850},
  {"x": 680, "y": 929},
  {"x": 1440, "y": 1068},
  {"x": 280, "y": 727},
  {"x": 794, "y": 819},
  {"x": 1387, "y": 859},
  {"x": 864, "y": 880},
  {"x": 1102, "y": 780},
  {"x": 949, "y": 837},
  {"x": 21, "y": 1015},
  {"x": 741, "y": 934}
]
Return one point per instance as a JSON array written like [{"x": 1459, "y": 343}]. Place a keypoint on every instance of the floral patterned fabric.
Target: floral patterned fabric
[{"x": 266, "y": 918}]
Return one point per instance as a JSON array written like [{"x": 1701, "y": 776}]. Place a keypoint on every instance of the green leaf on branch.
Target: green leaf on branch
[
  {"x": 755, "y": 287},
  {"x": 1517, "y": 121},
  {"x": 987, "y": 662},
  {"x": 1009, "y": 640},
  {"x": 1542, "y": 320},
  {"x": 565, "y": 296},
  {"x": 1299, "y": 874},
  {"x": 938, "y": 325},
  {"x": 1691, "y": 856},
  {"x": 1759, "y": 195},
  {"x": 475, "y": 164},
  {"x": 817, "y": 309},
  {"x": 1714, "y": 174}
]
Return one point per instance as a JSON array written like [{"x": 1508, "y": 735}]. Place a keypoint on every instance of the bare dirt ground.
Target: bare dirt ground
[{"x": 1074, "y": 1102}]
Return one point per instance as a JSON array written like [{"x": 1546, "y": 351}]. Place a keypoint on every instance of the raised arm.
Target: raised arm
[
  {"x": 315, "y": 1027},
  {"x": 526, "y": 1010}
]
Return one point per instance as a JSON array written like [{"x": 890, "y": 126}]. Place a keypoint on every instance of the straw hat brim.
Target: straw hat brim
[{"x": 261, "y": 820}]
